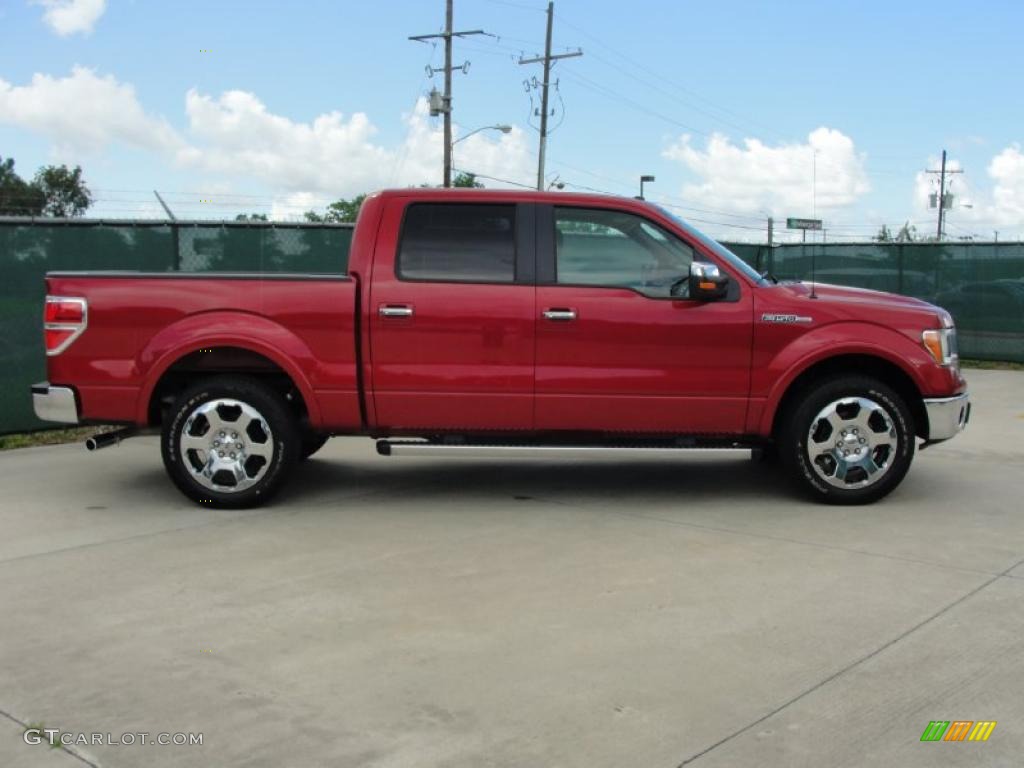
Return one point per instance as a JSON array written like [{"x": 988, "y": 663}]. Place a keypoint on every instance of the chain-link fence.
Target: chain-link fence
[{"x": 982, "y": 284}]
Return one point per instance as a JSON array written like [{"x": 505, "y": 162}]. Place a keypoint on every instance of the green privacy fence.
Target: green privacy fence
[
  {"x": 982, "y": 284},
  {"x": 31, "y": 248}
]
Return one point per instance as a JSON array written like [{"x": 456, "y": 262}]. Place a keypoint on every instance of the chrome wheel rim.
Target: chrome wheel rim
[
  {"x": 852, "y": 442},
  {"x": 226, "y": 445}
]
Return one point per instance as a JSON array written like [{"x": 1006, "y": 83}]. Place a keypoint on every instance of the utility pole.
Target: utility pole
[
  {"x": 446, "y": 108},
  {"x": 771, "y": 230},
  {"x": 943, "y": 173},
  {"x": 547, "y": 59}
]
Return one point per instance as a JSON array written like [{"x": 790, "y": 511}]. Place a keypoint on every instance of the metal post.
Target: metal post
[
  {"x": 447, "y": 35},
  {"x": 448, "y": 12},
  {"x": 547, "y": 58},
  {"x": 544, "y": 99},
  {"x": 175, "y": 242},
  {"x": 942, "y": 195}
]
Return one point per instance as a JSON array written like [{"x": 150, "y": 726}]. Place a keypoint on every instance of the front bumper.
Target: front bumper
[
  {"x": 54, "y": 403},
  {"x": 947, "y": 416}
]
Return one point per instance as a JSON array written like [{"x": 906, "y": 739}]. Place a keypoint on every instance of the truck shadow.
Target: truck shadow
[{"x": 319, "y": 480}]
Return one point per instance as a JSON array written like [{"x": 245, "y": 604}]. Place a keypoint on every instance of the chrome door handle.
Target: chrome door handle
[
  {"x": 560, "y": 315},
  {"x": 395, "y": 311}
]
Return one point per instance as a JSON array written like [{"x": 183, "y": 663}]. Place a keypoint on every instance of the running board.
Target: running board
[{"x": 441, "y": 450}]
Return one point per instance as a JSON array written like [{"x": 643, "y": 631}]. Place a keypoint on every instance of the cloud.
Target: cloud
[
  {"x": 67, "y": 17},
  {"x": 84, "y": 113},
  {"x": 1007, "y": 171},
  {"x": 237, "y": 136},
  {"x": 754, "y": 177}
]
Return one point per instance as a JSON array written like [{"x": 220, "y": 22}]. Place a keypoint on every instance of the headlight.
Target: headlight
[{"x": 942, "y": 345}]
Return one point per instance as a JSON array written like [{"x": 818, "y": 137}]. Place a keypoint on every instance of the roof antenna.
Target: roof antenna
[
  {"x": 814, "y": 251},
  {"x": 814, "y": 214}
]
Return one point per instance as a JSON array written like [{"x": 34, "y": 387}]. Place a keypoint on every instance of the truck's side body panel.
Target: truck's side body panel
[
  {"x": 139, "y": 325},
  {"x": 462, "y": 360},
  {"x": 632, "y": 363},
  {"x": 793, "y": 331},
  {"x": 629, "y": 361}
]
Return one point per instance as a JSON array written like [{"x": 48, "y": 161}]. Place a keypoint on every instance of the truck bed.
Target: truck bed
[{"x": 139, "y": 323}]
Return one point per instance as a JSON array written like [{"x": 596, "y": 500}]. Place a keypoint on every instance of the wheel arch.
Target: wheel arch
[
  {"x": 859, "y": 363},
  {"x": 211, "y": 344},
  {"x": 222, "y": 359}
]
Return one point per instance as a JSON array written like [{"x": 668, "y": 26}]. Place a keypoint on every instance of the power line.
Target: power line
[
  {"x": 604, "y": 90},
  {"x": 661, "y": 77},
  {"x": 545, "y": 86},
  {"x": 445, "y": 107}
]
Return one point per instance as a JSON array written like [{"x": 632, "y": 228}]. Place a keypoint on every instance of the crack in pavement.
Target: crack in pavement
[
  {"x": 237, "y": 518},
  {"x": 852, "y": 665},
  {"x": 65, "y": 747},
  {"x": 772, "y": 537}
]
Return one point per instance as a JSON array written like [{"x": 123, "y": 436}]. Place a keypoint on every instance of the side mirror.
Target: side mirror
[{"x": 707, "y": 283}]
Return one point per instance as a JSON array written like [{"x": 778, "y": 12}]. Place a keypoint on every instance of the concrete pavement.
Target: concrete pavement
[{"x": 418, "y": 612}]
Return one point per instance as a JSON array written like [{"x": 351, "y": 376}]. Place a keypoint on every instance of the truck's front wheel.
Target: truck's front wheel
[
  {"x": 850, "y": 440},
  {"x": 229, "y": 441}
]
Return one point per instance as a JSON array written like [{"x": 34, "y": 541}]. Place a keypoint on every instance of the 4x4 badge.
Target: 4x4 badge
[{"x": 772, "y": 318}]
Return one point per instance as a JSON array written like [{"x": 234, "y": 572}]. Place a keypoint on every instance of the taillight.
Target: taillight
[{"x": 64, "y": 319}]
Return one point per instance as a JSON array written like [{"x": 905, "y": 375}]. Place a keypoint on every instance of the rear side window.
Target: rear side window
[{"x": 453, "y": 242}]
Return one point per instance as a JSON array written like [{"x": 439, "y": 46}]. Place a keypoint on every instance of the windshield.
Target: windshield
[{"x": 716, "y": 247}]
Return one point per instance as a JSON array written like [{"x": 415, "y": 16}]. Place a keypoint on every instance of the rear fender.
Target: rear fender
[{"x": 254, "y": 333}]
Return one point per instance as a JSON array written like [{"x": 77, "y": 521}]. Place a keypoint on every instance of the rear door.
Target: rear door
[
  {"x": 452, "y": 317},
  {"x": 616, "y": 350}
]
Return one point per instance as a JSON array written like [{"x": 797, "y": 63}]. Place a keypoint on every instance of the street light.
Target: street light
[
  {"x": 642, "y": 180},
  {"x": 500, "y": 127},
  {"x": 504, "y": 128}
]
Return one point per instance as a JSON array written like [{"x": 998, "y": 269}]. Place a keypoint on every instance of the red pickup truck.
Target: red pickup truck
[{"x": 490, "y": 322}]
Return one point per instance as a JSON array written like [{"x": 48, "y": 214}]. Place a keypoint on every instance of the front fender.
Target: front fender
[
  {"x": 244, "y": 330},
  {"x": 835, "y": 340}
]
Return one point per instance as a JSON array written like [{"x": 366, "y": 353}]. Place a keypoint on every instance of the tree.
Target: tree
[
  {"x": 17, "y": 196},
  {"x": 467, "y": 180},
  {"x": 906, "y": 234},
  {"x": 340, "y": 211},
  {"x": 251, "y": 217},
  {"x": 64, "y": 191}
]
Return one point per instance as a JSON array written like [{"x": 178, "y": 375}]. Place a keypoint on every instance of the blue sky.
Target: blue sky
[{"x": 277, "y": 107}]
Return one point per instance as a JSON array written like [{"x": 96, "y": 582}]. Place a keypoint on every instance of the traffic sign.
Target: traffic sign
[{"x": 803, "y": 223}]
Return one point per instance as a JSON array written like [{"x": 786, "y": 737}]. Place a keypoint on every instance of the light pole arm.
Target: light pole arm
[{"x": 502, "y": 128}]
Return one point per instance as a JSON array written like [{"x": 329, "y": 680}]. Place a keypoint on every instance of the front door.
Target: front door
[
  {"x": 452, "y": 317},
  {"x": 616, "y": 350}
]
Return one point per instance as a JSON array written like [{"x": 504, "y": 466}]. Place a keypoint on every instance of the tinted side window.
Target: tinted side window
[
  {"x": 456, "y": 242},
  {"x": 615, "y": 249}
]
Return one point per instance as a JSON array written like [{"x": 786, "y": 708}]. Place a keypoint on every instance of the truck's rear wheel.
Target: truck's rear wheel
[
  {"x": 849, "y": 441},
  {"x": 229, "y": 441}
]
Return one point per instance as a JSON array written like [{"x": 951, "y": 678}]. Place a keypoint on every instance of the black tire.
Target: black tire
[
  {"x": 893, "y": 425},
  {"x": 311, "y": 443},
  {"x": 266, "y": 475}
]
